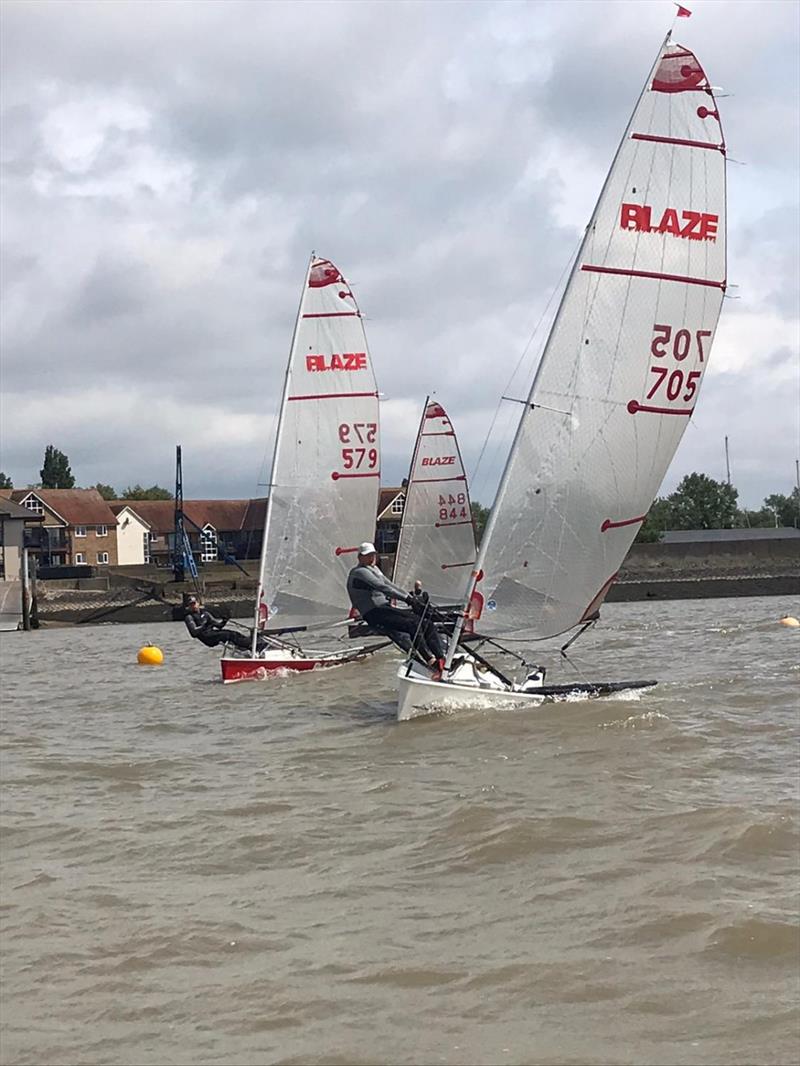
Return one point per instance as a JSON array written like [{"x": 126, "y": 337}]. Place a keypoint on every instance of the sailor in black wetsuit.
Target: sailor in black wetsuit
[
  {"x": 203, "y": 626},
  {"x": 371, "y": 594}
]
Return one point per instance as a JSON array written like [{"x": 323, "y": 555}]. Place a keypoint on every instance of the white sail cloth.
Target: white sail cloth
[
  {"x": 622, "y": 367},
  {"x": 437, "y": 536},
  {"x": 326, "y": 468}
]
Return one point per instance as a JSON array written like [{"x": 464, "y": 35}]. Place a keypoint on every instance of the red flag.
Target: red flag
[{"x": 683, "y": 12}]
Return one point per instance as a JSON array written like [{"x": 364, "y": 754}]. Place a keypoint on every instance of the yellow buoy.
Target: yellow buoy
[
  {"x": 787, "y": 620},
  {"x": 150, "y": 655}
]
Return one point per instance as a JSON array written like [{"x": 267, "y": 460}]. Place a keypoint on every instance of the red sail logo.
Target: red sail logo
[
  {"x": 323, "y": 273},
  {"x": 695, "y": 225},
  {"x": 345, "y": 361},
  {"x": 439, "y": 460}
]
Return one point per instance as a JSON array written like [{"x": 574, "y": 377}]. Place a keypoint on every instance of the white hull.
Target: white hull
[
  {"x": 419, "y": 695},
  {"x": 469, "y": 688}
]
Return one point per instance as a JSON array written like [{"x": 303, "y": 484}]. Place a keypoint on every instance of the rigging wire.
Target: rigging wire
[{"x": 556, "y": 288}]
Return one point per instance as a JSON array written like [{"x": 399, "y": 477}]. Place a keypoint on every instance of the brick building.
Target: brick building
[
  {"x": 78, "y": 527},
  {"x": 215, "y": 528}
]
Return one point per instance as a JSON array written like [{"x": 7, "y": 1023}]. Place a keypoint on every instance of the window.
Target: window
[
  {"x": 80, "y": 531},
  {"x": 102, "y": 531},
  {"x": 33, "y": 504},
  {"x": 208, "y": 544},
  {"x": 154, "y": 538},
  {"x": 146, "y": 547},
  {"x": 80, "y": 558},
  {"x": 102, "y": 557},
  {"x": 398, "y": 503}
]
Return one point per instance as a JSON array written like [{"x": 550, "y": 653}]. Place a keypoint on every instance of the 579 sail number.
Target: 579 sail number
[{"x": 359, "y": 436}]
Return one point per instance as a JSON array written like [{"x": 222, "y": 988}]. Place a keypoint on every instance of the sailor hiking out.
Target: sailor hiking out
[
  {"x": 211, "y": 631},
  {"x": 371, "y": 594}
]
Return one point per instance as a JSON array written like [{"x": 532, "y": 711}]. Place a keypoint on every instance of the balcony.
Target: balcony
[{"x": 46, "y": 539}]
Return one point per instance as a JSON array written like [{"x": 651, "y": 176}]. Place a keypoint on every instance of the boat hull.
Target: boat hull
[
  {"x": 278, "y": 661},
  {"x": 419, "y": 695}
]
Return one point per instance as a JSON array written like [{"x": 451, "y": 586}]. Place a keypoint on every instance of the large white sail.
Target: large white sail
[
  {"x": 437, "y": 537},
  {"x": 323, "y": 495},
  {"x": 623, "y": 365}
]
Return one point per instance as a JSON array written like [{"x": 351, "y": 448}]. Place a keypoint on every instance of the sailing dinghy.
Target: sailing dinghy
[
  {"x": 615, "y": 388},
  {"x": 437, "y": 537},
  {"x": 324, "y": 483}
]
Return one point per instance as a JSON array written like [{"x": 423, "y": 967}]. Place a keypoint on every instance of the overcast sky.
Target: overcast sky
[{"x": 168, "y": 167}]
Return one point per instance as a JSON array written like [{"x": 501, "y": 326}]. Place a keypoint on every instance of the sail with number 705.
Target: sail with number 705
[{"x": 622, "y": 368}]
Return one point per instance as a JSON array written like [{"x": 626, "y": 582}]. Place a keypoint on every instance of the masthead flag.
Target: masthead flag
[{"x": 683, "y": 12}]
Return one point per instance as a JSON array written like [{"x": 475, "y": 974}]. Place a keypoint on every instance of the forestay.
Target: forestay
[
  {"x": 326, "y": 467},
  {"x": 622, "y": 368},
  {"x": 437, "y": 537}
]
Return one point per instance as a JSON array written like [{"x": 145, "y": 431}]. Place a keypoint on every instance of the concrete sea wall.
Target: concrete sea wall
[{"x": 650, "y": 572}]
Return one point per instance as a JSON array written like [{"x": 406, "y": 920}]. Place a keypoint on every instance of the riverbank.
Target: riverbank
[{"x": 651, "y": 572}]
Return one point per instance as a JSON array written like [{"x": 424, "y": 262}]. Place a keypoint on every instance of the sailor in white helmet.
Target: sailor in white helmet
[{"x": 371, "y": 593}]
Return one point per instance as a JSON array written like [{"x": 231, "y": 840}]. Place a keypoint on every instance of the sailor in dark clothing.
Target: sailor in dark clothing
[
  {"x": 370, "y": 593},
  {"x": 203, "y": 626}
]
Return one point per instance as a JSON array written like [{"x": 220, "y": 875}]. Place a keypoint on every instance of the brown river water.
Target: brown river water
[{"x": 279, "y": 872}]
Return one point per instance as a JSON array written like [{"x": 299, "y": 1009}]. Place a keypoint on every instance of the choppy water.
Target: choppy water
[{"x": 280, "y": 873}]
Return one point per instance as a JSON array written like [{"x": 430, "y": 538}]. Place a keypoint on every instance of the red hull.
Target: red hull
[{"x": 262, "y": 669}]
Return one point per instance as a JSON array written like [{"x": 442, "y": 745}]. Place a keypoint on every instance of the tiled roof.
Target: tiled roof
[
  {"x": 9, "y": 509},
  {"x": 158, "y": 514},
  {"x": 77, "y": 507},
  {"x": 221, "y": 514},
  {"x": 224, "y": 515},
  {"x": 255, "y": 515}
]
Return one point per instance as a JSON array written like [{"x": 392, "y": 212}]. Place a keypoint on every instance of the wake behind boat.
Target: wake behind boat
[
  {"x": 615, "y": 388},
  {"x": 324, "y": 483}
]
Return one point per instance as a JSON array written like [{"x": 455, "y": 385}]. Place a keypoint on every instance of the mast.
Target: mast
[
  {"x": 179, "y": 533},
  {"x": 273, "y": 468},
  {"x": 408, "y": 482},
  {"x": 727, "y": 460},
  {"x": 477, "y": 572}
]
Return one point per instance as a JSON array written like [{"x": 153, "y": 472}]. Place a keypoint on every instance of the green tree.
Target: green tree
[
  {"x": 5, "y": 481},
  {"x": 155, "y": 492},
  {"x": 754, "y": 519},
  {"x": 659, "y": 519},
  {"x": 700, "y": 502},
  {"x": 480, "y": 516},
  {"x": 108, "y": 492},
  {"x": 55, "y": 473},
  {"x": 786, "y": 509}
]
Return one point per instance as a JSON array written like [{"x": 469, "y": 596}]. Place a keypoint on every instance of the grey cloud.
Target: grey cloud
[{"x": 397, "y": 139}]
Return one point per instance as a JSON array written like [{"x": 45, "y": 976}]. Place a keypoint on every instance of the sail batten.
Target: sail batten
[
  {"x": 326, "y": 464},
  {"x": 625, "y": 359}
]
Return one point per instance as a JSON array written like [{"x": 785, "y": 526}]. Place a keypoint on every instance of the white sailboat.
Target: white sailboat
[
  {"x": 614, "y": 391},
  {"x": 437, "y": 536},
  {"x": 324, "y": 483}
]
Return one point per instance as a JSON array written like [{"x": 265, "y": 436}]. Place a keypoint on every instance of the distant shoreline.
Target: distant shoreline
[{"x": 86, "y": 607}]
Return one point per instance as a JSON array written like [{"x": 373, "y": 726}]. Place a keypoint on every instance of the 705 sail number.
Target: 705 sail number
[{"x": 666, "y": 342}]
